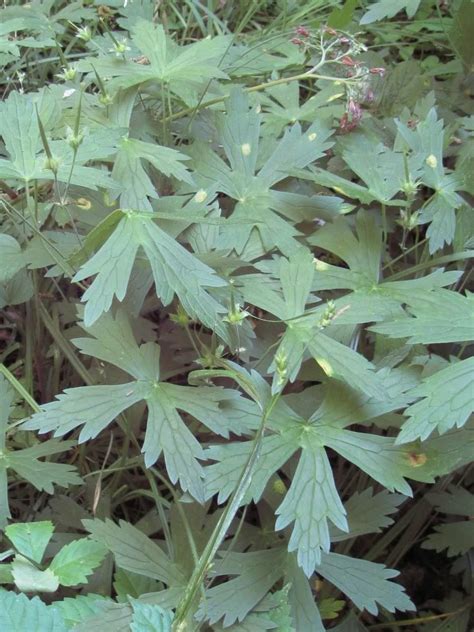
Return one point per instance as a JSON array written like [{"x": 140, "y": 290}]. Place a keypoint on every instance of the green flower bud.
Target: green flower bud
[
  {"x": 52, "y": 165},
  {"x": 105, "y": 99}
]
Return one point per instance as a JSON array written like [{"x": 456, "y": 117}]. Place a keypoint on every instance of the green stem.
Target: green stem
[
  {"x": 19, "y": 388},
  {"x": 262, "y": 86},
  {"x": 219, "y": 533},
  {"x": 432, "y": 263},
  {"x": 418, "y": 620}
]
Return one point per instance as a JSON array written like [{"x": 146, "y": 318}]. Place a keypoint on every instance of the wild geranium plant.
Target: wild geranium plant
[{"x": 235, "y": 326}]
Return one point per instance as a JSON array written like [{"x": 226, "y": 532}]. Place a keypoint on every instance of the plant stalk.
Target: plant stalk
[{"x": 219, "y": 533}]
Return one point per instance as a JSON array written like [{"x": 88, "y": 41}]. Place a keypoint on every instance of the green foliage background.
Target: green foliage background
[{"x": 236, "y": 387}]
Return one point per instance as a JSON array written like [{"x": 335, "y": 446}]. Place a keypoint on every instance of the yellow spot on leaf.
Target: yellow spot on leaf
[
  {"x": 246, "y": 149},
  {"x": 417, "y": 459},
  {"x": 431, "y": 161},
  {"x": 200, "y": 196},
  {"x": 83, "y": 203}
]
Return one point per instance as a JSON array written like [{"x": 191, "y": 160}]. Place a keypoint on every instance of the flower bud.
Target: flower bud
[
  {"x": 235, "y": 315},
  {"x": 181, "y": 317},
  {"x": 303, "y": 31},
  {"x": 52, "y": 165},
  {"x": 377, "y": 71},
  {"x": 84, "y": 34},
  {"x": 105, "y": 99}
]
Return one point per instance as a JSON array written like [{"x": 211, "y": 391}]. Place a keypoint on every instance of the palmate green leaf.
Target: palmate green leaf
[
  {"x": 388, "y": 9},
  {"x": 250, "y": 185},
  {"x": 362, "y": 252},
  {"x": 262, "y": 56},
  {"x": 372, "y": 298},
  {"x": 279, "y": 610},
  {"x": 340, "y": 185},
  {"x": 447, "y": 452},
  {"x": 11, "y": 258},
  {"x": 367, "y": 513},
  {"x": 425, "y": 143},
  {"x": 255, "y": 572},
  {"x": 456, "y": 537},
  {"x": 78, "y": 609},
  {"x": 367, "y": 584},
  {"x": 16, "y": 291},
  {"x": 185, "y": 70},
  {"x": 44, "y": 474},
  {"x": 305, "y": 612},
  {"x": 447, "y": 402},
  {"x": 307, "y": 334},
  {"x": 96, "y": 406},
  {"x": 93, "y": 406},
  {"x": 312, "y": 500},
  {"x": 455, "y": 500},
  {"x": 27, "y": 158},
  {"x": 439, "y": 211},
  {"x": 128, "y": 170},
  {"x": 134, "y": 551},
  {"x": 150, "y": 618},
  {"x": 222, "y": 477},
  {"x": 41, "y": 474},
  {"x": 16, "y": 24},
  {"x": 376, "y": 455},
  {"x": 19, "y": 129},
  {"x": 175, "y": 271},
  {"x": 341, "y": 362},
  {"x": 312, "y": 488},
  {"x": 18, "y": 613},
  {"x": 383, "y": 171},
  {"x": 273, "y": 612},
  {"x": 30, "y": 538},
  {"x": 127, "y": 584},
  {"x": 330, "y": 608},
  {"x": 76, "y": 561},
  {"x": 440, "y": 316},
  {"x": 282, "y": 106}
]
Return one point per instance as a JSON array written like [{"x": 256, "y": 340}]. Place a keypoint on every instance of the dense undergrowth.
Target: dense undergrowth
[{"x": 235, "y": 327}]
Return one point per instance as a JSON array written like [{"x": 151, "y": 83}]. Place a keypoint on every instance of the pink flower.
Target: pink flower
[
  {"x": 354, "y": 110},
  {"x": 348, "y": 61},
  {"x": 377, "y": 71},
  {"x": 350, "y": 119},
  {"x": 303, "y": 31},
  {"x": 369, "y": 95}
]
